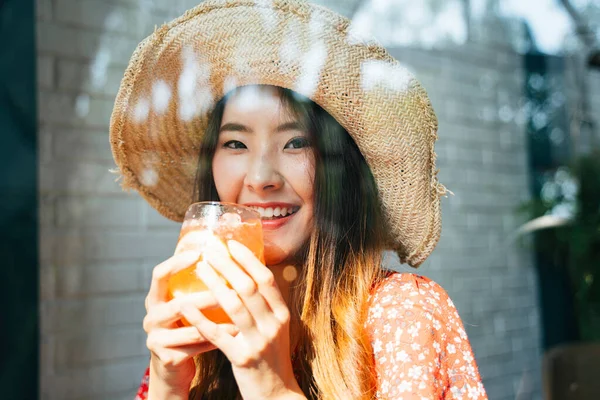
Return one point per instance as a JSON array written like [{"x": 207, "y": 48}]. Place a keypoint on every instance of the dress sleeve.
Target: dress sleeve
[
  {"x": 142, "y": 393},
  {"x": 420, "y": 348}
]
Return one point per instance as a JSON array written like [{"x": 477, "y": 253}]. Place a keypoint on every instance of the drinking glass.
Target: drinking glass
[{"x": 203, "y": 223}]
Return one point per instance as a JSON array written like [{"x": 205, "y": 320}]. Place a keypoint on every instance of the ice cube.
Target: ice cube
[
  {"x": 230, "y": 219},
  {"x": 194, "y": 240}
]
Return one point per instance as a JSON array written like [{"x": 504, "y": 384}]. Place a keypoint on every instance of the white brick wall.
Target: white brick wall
[
  {"x": 575, "y": 78},
  {"x": 98, "y": 244},
  {"x": 483, "y": 160}
]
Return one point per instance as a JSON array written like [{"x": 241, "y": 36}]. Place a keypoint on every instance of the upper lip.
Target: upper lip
[{"x": 270, "y": 205}]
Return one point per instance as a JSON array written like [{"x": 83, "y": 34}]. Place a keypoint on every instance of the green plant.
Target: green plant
[{"x": 566, "y": 221}]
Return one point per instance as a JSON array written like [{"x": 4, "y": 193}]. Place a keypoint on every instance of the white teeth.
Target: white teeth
[{"x": 270, "y": 212}]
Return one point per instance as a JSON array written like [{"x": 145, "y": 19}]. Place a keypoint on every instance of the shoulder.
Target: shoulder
[
  {"x": 397, "y": 287},
  {"x": 403, "y": 281},
  {"x": 420, "y": 348},
  {"x": 412, "y": 297}
]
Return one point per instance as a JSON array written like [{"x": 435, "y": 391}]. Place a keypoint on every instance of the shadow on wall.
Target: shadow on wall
[
  {"x": 18, "y": 210},
  {"x": 93, "y": 247}
]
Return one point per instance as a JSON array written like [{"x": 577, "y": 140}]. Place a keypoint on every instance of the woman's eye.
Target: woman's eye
[
  {"x": 297, "y": 143},
  {"x": 234, "y": 144}
]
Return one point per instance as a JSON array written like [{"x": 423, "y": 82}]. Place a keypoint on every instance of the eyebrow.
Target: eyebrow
[{"x": 236, "y": 127}]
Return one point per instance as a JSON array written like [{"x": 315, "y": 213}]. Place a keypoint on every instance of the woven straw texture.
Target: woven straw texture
[{"x": 177, "y": 74}]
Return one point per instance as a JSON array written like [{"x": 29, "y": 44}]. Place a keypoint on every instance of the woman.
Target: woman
[{"x": 338, "y": 327}]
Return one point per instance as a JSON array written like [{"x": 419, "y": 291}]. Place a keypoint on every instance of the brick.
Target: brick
[
  {"x": 81, "y": 144},
  {"x": 417, "y": 60},
  {"x": 92, "y": 279},
  {"x": 93, "y": 381},
  {"x": 47, "y": 281},
  {"x": 473, "y": 137},
  {"x": 50, "y": 103},
  {"x": 520, "y": 300},
  {"x": 77, "y": 178},
  {"x": 96, "y": 15},
  {"x": 98, "y": 211},
  {"x": 178, "y": 6},
  {"x": 440, "y": 87},
  {"x": 155, "y": 220},
  {"x": 467, "y": 89},
  {"x": 458, "y": 154},
  {"x": 463, "y": 71},
  {"x": 45, "y": 72},
  {"x": 476, "y": 56},
  {"x": 126, "y": 245},
  {"x": 430, "y": 82},
  {"x": 76, "y": 247},
  {"x": 479, "y": 114},
  {"x": 98, "y": 347},
  {"x": 148, "y": 265},
  {"x": 45, "y": 141},
  {"x": 78, "y": 43},
  {"x": 58, "y": 316},
  {"x": 46, "y": 245},
  {"x": 46, "y": 210},
  {"x": 94, "y": 78},
  {"x": 506, "y": 159},
  {"x": 60, "y": 248},
  {"x": 47, "y": 347},
  {"x": 74, "y": 110},
  {"x": 43, "y": 10}
]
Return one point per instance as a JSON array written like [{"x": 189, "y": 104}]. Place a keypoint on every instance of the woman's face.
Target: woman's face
[{"x": 264, "y": 160}]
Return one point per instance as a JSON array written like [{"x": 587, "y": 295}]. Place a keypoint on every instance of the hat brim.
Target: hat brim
[{"x": 177, "y": 74}]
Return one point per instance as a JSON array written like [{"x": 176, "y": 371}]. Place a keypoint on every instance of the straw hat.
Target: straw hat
[{"x": 178, "y": 73}]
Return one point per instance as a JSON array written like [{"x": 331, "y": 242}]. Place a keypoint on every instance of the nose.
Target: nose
[{"x": 263, "y": 175}]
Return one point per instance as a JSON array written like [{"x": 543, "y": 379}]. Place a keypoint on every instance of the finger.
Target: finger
[
  {"x": 162, "y": 272},
  {"x": 186, "y": 336},
  {"x": 174, "y": 357},
  {"x": 247, "y": 290},
  {"x": 262, "y": 276},
  {"x": 228, "y": 298},
  {"x": 217, "y": 334},
  {"x": 161, "y": 338},
  {"x": 166, "y": 314}
]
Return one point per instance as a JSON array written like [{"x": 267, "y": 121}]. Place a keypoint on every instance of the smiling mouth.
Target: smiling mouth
[{"x": 273, "y": 213}]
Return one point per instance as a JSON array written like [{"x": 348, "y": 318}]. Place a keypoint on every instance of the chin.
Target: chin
[{"x": 276, "y": 254}]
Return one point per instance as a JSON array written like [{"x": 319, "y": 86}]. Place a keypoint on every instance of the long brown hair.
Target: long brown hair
[{"x": 341, "y": 262}]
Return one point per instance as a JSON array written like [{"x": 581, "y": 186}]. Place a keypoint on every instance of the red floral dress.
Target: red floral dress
[{"x": 420, "y": 348}]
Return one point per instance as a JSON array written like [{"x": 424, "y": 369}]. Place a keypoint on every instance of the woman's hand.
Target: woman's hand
[
  {"x": 259, "y": 354},
  {"x": 172, "y": 347}
]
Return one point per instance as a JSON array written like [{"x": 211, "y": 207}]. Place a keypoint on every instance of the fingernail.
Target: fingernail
[{"x": 233, "y": 243}]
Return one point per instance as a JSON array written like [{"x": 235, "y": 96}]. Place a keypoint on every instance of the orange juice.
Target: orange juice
[{"x": 195, "y": 235}]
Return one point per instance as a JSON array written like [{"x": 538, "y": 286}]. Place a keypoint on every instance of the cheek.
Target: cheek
[
  {"x": 228, "y": 176},
  {"x": 301, "y": 175}
]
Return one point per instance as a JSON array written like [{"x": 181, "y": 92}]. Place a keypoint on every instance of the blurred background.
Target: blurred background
[{"x": 516, "y": 87}]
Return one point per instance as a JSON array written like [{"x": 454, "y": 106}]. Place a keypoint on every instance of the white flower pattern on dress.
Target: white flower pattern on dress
[
  {"x": 420, "y": 348},
  {"x": 430, "y": 356}
]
